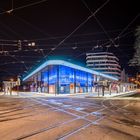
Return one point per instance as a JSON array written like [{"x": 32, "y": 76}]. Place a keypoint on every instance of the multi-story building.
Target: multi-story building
[{"x": 104, "y": 62}]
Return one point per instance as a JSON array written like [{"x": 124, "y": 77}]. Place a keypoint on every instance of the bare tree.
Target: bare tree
[{"x": 135, "y": 61}]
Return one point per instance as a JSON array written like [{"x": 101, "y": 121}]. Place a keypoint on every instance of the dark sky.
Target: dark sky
[{"x": 49, "y": 22}]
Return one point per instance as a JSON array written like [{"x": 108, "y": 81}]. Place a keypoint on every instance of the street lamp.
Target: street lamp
[
  {"x": 32, "y": 44},
  {"x": 18, "y": 84},
  {"x": 11, "y": 85}
]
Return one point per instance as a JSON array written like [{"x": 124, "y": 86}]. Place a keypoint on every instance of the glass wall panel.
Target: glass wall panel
[
  {"x": 66, "y": 79},
  {"x": 33, "y": 86},
  {"x": 44, "y": 85},
  {"x": 81, "y": 81},
  {"x": 52, "y": 74},
  {"x": 52, "y": 79},
  {"x": 90, "y": 82}
]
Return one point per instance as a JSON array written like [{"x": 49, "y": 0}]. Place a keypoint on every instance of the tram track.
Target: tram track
[
  {"x": 28, "y": 115},
  {"x": 21, "y": 112},
  {"x": 14, "y": 106},
  {"x": 105, "y": 107},
  {"x": 124, "y": 113},
  {"x": 66, "y": 122},
  {"x": 19, "y": 109},
  {"x": 44, "y": 105}
]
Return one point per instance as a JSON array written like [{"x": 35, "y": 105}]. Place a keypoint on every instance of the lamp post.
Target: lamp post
[
  {"x": 18, "y": 84},
  {"x": 11, "y": 85}
]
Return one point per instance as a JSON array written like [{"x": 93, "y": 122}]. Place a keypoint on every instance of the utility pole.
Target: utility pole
[{"x": 18, "y": 84}]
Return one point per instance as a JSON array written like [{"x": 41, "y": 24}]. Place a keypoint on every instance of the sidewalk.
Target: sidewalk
[
  {"x": 108, "y": 95},
  {"x": 78, "y": 95}
]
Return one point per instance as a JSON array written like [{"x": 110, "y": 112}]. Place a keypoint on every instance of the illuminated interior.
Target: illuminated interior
[{"x": 58, "y": 76}]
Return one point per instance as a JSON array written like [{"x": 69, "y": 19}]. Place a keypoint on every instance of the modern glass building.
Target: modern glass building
[{"x": 62, "y": 77}]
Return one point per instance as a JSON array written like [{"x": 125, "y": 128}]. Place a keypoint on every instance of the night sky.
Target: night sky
[{"x": 49, "y": 23}]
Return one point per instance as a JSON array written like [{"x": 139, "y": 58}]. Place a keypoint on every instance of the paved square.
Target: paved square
[{"x": 43, "y": 118}]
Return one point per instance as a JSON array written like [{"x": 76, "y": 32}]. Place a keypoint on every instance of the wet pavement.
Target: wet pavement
[{"x": 51, "y": 118}]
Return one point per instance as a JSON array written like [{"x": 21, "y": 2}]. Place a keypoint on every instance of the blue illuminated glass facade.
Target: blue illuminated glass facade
[
  {"x": 52, "y": 75},
  {"x": 66, "y": 75},
  {"x": 63, "y": 79},
  {"x": 44, "y": 79},
  {"x": 66, "y": 79}
]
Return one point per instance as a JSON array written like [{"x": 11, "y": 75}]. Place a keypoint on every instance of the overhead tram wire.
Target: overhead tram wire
[
  {"x": 27, "y": 21},
  {"x": 76, "y": 35},
  {"x": 41, "y": 31},
  {"x": 79, "y": 26},
  {"x": 33, "y": 26},
  {"x": 85, "y": 4},
  {"x": 24, "y": 6},
  {"x": 2, "y": 42},
  {"x": 113, "y": 41},
  {"x": 59, "y": 37},
  {"x": 53, "y": 45},
  {"x": 13, "y": 9},
  {"x": 15, "y": 62},
  {"x": 14, "y": 57},
  {"x": 18, "y": 61},
  {"x": 129, "y": 24},
  {"x": 99, "y": 23},
  {"x": 103, "y": 27},
  {"x": 104, "y": 44},
  {"x": 74, "y": 30},
  {"x": 8, "y": 40},
  {"x": 120, "y": 34},
  {"x": 53, "y": 37},
  {"x": 14, "y": 44},
  {"x": 44, "y": 1},
  {"x": 24, "y": 20},
  {"x": 10, "y": 73},
  {"x": 11, "y": 30}
]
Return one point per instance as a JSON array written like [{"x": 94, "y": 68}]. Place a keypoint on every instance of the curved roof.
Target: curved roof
[{"x": 68, "y": 64}]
